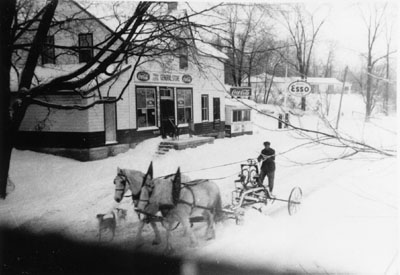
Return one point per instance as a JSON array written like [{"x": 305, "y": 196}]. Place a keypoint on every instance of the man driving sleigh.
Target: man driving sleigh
[{"x": 267, "y": 157}]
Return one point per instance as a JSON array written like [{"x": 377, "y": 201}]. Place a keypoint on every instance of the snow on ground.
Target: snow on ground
[{"x": 347, "y": 222}]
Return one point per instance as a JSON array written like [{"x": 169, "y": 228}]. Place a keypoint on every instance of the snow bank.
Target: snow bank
[{"x": 347, "y": 222}]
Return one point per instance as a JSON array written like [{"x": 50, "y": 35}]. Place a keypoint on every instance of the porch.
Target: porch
[{"x": 184, "y": 142}]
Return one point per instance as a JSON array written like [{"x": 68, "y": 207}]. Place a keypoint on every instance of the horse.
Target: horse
[
  {"x": 178, "y": 202},
  {"x": 133, "y": 180}
]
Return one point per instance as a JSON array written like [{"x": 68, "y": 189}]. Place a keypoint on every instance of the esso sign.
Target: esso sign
[{"x": 299, "y": 88}]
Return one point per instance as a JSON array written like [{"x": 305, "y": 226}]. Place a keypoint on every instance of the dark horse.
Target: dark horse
[
  {"x": 134, "y": 180},
  {"x": 178, "y": 202}
]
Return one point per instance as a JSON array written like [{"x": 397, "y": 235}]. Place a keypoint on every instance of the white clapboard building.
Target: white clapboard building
[{"x": 158, "y": 96}]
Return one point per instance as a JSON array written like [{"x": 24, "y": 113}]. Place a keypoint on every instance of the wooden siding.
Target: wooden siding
[
  {"x": 38, "y": 118},
  {"x": 210, "y": 128}
]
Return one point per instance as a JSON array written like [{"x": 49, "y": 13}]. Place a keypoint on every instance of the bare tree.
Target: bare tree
[
  {"x": 242, "y": 38},
  {"x": 389, "y": 24},
  {"x": 374, "y": 20},
  {"x": 147, "y": 32},
  {"x": 303, "y": 29}
]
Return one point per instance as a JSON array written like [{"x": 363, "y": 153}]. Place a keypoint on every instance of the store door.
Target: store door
[
  {"x": 216, "y": 113},
  {"x": 167, "y": 112},
  {"x": 110, "y": 122}
]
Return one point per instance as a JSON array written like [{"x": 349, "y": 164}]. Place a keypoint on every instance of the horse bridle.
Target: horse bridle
[{"x": 124, "y": 181}]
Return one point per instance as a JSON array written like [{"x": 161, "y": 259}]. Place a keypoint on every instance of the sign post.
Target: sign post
[{"x": 299, "y": 88}]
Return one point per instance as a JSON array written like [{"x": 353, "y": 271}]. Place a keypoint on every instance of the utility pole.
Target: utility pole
[{"x": 341, "y": 97}]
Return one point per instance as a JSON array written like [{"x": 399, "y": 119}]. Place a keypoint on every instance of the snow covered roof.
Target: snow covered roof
[
  {"x": 109, "y": 13},
  {"x": 112, "y": 13},
  {"x": 208, "y": 50},
  {"x": 47, "y": 72},
  {"x": 241, "y": 103}
]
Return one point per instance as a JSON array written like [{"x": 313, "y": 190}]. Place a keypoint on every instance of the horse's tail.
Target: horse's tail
[{"x": 218, "y": 213}]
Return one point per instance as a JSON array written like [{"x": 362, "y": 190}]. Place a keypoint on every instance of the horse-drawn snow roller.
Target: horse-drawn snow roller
[
  {"x": 184, "y": 201},
  {"x": 248, "y": 192}
]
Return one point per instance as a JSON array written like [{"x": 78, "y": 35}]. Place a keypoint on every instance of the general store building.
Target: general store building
[{"x": 168, "y": 93}]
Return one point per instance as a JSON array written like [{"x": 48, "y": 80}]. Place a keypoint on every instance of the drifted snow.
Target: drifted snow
[{"x": 347, "y": 222}]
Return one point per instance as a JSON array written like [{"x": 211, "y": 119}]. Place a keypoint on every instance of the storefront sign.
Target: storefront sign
[
  {"x": 241, "y": 92},
  {"x": 143, "y": 76},
  {"x": 169, "y": 77},
  {"x": 299, "y": 88},
  {"x": 186, "y": 78},
  {"x": 164, "y": 78}
]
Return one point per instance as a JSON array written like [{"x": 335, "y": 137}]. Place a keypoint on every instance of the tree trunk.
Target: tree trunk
[
  {"x": 386, "y": 96},
  {"x": 11, "y": 119},
  {"x": 37, "y": 45},
  {"x": 7, "y": 11},
  {"x": 368, "y": 105}
]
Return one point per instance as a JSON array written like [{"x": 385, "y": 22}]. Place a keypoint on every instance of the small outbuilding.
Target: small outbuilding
[{"x": 238, "y": 112}]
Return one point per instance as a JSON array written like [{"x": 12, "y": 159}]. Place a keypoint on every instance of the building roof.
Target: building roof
[
  {"x": 111, "y": 13},
  {"x": 206, "y": 49},
  {"x": 239, "y": 103},
  {"x": 47, "y": 72}
]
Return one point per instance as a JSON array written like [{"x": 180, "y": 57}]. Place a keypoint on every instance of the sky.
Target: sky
[{"x": 346, "y": 26}]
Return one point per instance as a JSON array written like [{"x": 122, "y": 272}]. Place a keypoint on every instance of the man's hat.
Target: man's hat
[{"x": 267, "y": 143}]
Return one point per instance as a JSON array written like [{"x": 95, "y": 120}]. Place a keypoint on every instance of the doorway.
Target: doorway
[
  {"x": 167, "y": 112},
  {"x": 110, "y": 122}
]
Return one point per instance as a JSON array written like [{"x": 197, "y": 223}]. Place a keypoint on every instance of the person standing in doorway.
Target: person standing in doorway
[{"x": 267, "y": 157}]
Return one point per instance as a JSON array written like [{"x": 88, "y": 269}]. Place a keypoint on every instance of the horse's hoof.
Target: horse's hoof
[
  {"x": 209, "y": 238},
  {"x": 139, "y": 243},
  {"x": 168, "y": 251},
  {"x": 156, "y": 242}
]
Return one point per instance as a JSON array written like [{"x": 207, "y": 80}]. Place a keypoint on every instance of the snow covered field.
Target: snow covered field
[{"x": 347, "y": 223}]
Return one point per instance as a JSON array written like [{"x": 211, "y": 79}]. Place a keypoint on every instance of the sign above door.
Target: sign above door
[{"x": 143, "y": 76}]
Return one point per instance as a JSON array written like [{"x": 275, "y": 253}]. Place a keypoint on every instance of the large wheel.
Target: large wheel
[{"x": 294, "y": 200}]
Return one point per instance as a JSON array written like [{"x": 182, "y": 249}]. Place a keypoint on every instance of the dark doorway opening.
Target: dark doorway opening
[
  {"x": 167, "y": 112},
  {"x": 110, "y": 122},
  {"x": 216, "y": 113}
]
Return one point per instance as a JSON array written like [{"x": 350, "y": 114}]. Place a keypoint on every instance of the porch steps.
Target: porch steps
[
  {"x": 183, "y": 143},
  {"x": 164, "y": 148}
]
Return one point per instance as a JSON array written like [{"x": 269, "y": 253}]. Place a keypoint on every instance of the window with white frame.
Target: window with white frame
[
  {"x": 241, "y": 115},
  {"x": 184, "y": 100},
  {"x": 183, "y": 56},
  {"x": 145, "y": 106},
  {"x": 204, "y": 107},
  {"x": 85, "y": 47},
  {"x": 49, "y": 55}
]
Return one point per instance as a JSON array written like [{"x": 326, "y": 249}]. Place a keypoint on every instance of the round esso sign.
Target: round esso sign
[{"x": 299, "y": 88}]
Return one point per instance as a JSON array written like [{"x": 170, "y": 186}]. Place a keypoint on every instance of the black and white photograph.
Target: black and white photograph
[{"x": 199, "y": 137}]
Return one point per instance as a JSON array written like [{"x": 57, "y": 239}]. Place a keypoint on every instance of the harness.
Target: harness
[
  {"x": 135, "y": 197},
  {"x": 186, "y": 185}
]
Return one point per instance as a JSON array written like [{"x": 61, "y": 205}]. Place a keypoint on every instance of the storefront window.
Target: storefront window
[
  {"x": 241, "y": 115},
  {"x": 217, "y": 107},
  {"x": 145, "y": 107},
  {"x": 204, "y": 107},
  {"x": 246, "y": 115},
  {"x": 184, "y": 105}
]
